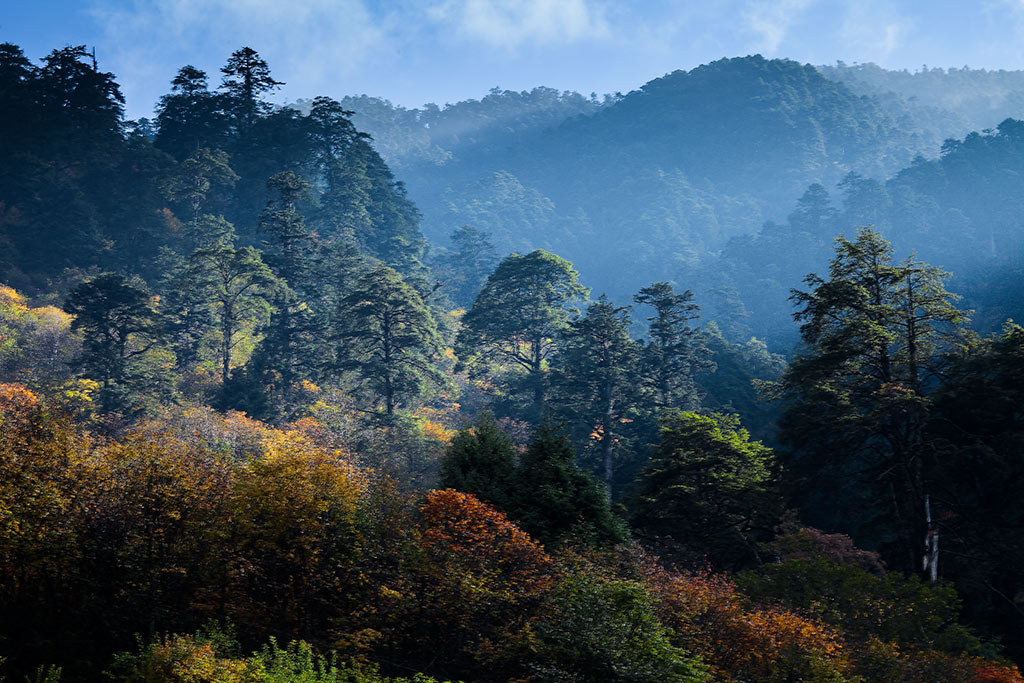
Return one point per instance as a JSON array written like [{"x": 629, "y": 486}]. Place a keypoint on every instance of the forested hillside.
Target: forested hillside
[
  {"x": 952, "y": 102},
  {"x": 961, "y": 211},
  {"x": 255, "y": 427},
  {"x": 696, "y": 164},
  {"x": 681, "y": 164}
]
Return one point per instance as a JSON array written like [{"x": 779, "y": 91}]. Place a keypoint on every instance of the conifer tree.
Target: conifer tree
[
  {"x": 708, "y": 488},
  {"x": 238, "y": 285},
  {"x": 290, "y": 243},
  {"x": 465, "y": 270},
  {"x": 481, "y": 460},
  {"x": 554, "y": 499},
  {"x": 246, "y": 77},
  {"x": 269, "y": 386},
  {"x": 190, "y": 117},
  {"x": 119, "y": 326},
  {"x": 391, "y": 340},
  {"x": 676, "y": 351},
  {"x": 191, "y": 182},
  {"x": 593, "y": 383},
  {"x": 876, "y": 335},
  {"x": 517, "y": 317}
]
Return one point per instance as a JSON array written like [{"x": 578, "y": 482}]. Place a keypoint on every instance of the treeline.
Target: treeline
[
  {"x": 950, "y": 101},
  {"x": 83, "y": 189},
  {"x": 678, "y": 176},
  {"x": 662, "y": 176}
]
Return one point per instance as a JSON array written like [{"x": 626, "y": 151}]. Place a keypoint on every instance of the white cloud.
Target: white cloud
[
  {"x": 309, "y": 44},
  {"x": 771, "y": 21},
  {"x": 508, "y": 24},
  {"x": 1010, "y": 13},
  {"x": 874, "y": 31}
]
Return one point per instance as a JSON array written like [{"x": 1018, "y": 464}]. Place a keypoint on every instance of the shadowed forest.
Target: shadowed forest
[{"x": 716, "y": 380}]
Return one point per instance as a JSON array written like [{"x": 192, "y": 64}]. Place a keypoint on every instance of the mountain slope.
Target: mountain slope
[{"x": 660, "y": 178}]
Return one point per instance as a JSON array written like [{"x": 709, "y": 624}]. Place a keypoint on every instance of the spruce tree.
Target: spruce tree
[
  {"x": 554, "y": 499},
  {"x": 876, "y": 335},
  {"x": 481, "y": 460},
  {"x": 390, "y": 339}
]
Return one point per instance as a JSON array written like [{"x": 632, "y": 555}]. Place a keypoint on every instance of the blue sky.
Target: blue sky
[{"x": 417, "y": 51}]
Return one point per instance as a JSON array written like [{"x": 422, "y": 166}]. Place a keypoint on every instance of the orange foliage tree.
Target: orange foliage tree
[
  {"x": 150, "y": 503},
  {"x": 479, "y": 577},
  {"x": 291, "y": 536},
  {"x": 709, "y": 617}
]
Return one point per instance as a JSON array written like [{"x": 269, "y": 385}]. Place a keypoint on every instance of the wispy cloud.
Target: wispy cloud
[
  {"x": 1010, "y": 13},
  {"x": 771, "y": 20},
  {"x": 308, "y": 43},
  {"x": 873, "y": 30},
  {"x": 509, "y": 24}
]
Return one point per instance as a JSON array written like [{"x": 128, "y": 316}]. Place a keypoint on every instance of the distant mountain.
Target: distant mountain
[
  {"x": 963, "y": 212},
  {"x": 440, "y": 135},
  {"x": 644, "y": 186},
  {"x": 950, "y": 102},
  {"x": 695, "y": 176}
]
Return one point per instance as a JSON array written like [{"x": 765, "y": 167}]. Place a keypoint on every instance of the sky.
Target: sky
[{"x": 416, "y": 51}]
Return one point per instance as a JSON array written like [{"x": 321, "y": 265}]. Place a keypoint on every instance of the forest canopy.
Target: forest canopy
[{"x": 257, "y": 425}]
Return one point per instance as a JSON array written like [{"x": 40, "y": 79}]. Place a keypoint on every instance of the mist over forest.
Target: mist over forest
[
  {"x": 715, "y": 173},
  {"x": 679, "y": 384}
]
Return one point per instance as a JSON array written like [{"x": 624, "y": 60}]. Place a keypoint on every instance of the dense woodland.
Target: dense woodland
[{"x": 256, "y": 426}]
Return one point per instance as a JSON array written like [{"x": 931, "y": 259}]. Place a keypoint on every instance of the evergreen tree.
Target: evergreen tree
[
  {"x": 708, "y": 488},
  {"x": 190, "y": 117},
  {"x": 594, "y": 379},
  {"x": 676, "y": 351},
  {"x": 517, "y": 317},
  {"x": 391, "y": 339},
  {"x": 875, "y": 334},
  {"x": 238, "y": 285},
  {"x": 269, "y": 386},
  {"x": 481, "y": 460},
  {"x": 814, "y": 214},
  {"x": 554, "y": 499},
  {"x": 465, "y": 270},
  {"x": 17, "y": 98},
  {"x": 246, "y": 78},
  {"x": 190, "y": 183},
  {"x": 290, "y": 241},
  {"x": 119, "y": 326},
  {"x": 396, "y": 238},
  {"x": 974, "y": 438},
  {"x": 80, "y": 105},
  {"x": 186, "y": 313}
]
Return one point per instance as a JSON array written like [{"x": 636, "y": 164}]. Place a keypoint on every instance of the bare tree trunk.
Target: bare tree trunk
[
  {"x": 607, "y": 441},
  {"x": 930, "y": 563}
]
